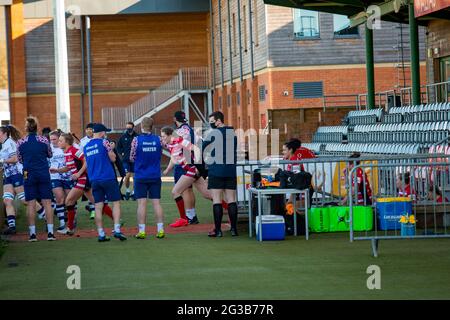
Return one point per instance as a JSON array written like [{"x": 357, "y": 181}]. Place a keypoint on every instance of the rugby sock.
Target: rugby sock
[
  {"x": 180, "y": 204},
  {"x": 142, "y": 227},
  {"x": 50, "y": 228},
  {"x": 60, "y": 210},
  {"x": 11, "y": 221},
  {"x": 233, "y": 213},
  {"x": 70, "y": 216},
  {"x": 91, "y": 207},
  {"x": 218, "y": 214},
  {"x": 101, "y": 232},
  {"x": 117, "y": 227},
  {"x": 160, "y": 226},
  {"x": 108, "y": 211},
  {"x": 41, "y": 212},
  {"x": 32, "y": 230},
  {"x": 190, "y": 213}
]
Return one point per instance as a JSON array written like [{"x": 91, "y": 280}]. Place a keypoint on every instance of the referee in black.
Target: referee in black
[{"x": 219, "y": 147}]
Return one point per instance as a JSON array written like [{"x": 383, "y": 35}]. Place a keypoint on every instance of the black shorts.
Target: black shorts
[
  {"x": 222, "y": 183},
  {"x": 128, "y": 166},
  {"x": 203, "y": 172}
]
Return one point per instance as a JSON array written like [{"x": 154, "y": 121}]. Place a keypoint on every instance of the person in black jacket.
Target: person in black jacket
[
  {"x": 220, "y": 148},
  {"x": 118, "y": 163},
  {"x": 124, "y": 148}
]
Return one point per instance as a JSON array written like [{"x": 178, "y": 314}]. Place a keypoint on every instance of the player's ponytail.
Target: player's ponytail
[
  {"x": 11, "y": 132},
  {"x": 31, "y": 125}
]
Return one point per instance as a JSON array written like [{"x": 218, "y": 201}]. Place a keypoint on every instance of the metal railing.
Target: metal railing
[
  {"x": 348, "y": 182},
  {"x": 429, "y": 93},
  {"x": 187, "y": 79},
  {"x": 328, "y": 178},
  {"x": 381, "y": 99},
  {"x": 416, "y": 189},
  {"x": 438, "y": 92},
  {"x": 196, "y": 78},
  {"x": 340, "y": 101}
]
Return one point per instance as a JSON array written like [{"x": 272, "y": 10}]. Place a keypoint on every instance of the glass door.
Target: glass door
[{"x": 445, "y": 77}]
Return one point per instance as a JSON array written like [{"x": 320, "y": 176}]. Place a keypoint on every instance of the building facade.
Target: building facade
[
  {"x": 271, "y": 66},
  {"x": 135, "y": 46},
  {"x": 294, "y": 69}
]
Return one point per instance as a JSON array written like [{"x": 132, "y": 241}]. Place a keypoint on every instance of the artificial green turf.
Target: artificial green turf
[
  {"x": 193, "y": 266},
  {"x": 128, "y": 209}
]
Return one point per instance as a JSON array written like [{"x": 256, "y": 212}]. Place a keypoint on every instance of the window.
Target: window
[
  {"x": 220, "y": 103},
  {"x": 304, "y": 90},
  {"x": 341, "y": 27},
  {"x": 248, "y": 97},
  {"x": 262, "y": 93},
  {"x": 238, "y": 98},
  {"x": 229, "y": 101},
  {"x": 306, "y": 24}
]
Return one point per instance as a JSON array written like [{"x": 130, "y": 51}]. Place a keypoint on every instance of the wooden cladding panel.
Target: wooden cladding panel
[
  {"x": 143, "y": 51},
  {"x": 40, "y": 62},
  {"x": 128, "y": 52}
]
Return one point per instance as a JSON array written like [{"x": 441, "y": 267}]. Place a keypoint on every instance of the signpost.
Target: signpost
[{"x": 424, "y": 7}]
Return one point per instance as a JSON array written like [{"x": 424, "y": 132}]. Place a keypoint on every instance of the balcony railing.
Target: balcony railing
[{"x": 187, "y": 79}]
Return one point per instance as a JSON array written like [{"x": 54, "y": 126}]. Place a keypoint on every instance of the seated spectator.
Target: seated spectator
[
  {"x": 434, "y": 193},
  {"x": 362, "y": 181},
  {"x": 293, "y": 150},
  {"x": 404, "y": 186}
]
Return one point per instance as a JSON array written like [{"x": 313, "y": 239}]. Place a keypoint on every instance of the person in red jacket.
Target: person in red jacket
[
  {"x": 293, "y": 150},
  {"x": 434, "y": 193},
  {"x": 404, "y": 186},
  {"x": 362, "y": 182}
]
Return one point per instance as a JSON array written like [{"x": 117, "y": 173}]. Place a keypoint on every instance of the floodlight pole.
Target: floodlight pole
[
  {"x": 415, "y": 55},
  {"x": 61, "y": 67},
  {"x": 370, "y": 69}
]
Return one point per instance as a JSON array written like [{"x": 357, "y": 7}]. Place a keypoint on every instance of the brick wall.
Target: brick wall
[{"x": 336, "y": 81}]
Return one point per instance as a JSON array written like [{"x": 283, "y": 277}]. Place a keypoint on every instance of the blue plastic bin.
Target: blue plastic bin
[{"x": 390, "y": 210}]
